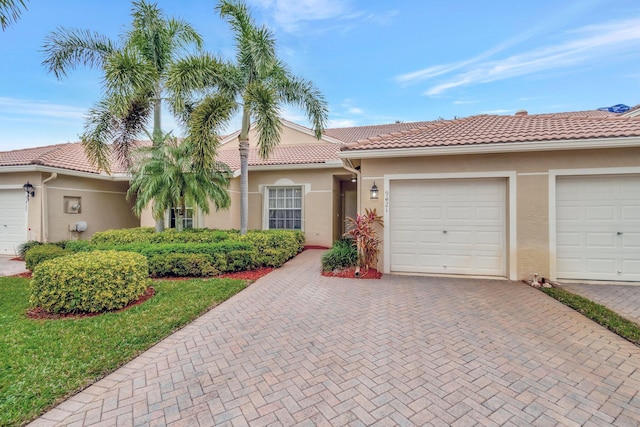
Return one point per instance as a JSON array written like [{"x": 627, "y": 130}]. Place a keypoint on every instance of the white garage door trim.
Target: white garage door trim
[
  {"x": 553, "y": 226},
  {"x": 13, "y": 219},
  {"x": 511, "y": 177}
]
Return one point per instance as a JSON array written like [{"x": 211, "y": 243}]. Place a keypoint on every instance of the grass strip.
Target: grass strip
[
  {"x": 44, "y": 361},
  {"x": 598, "y": 313}
]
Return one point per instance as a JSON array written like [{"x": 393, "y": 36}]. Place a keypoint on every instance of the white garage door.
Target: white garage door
[
  {"x": 448, "y": 226},
  {"x": 13, "y": 221},
  {"x": 598, "y": 228}
]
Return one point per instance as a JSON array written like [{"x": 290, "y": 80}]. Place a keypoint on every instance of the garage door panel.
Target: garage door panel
[
  {"x": 455, "y": 223},
  {"x": 598, "y": 227},
  {"x": 601, "y": 240},
  {"x": 13, "y": 220}
]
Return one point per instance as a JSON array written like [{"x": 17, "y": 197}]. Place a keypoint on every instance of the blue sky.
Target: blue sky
[{"x": 375, "y": 61}]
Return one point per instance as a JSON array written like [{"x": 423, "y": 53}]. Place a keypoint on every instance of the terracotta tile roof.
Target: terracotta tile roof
[
  {"x": 356, "y": 133},
  {"x": 489, "y": 129},
  {"x": 284, "y": 155},
  {"x": 65, "y": 156}
]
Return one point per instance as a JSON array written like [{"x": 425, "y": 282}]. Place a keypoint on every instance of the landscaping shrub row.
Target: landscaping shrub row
[{"x": 193, "y": 253}]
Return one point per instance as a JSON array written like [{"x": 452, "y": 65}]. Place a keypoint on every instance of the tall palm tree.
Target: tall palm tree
[
  {"x": 10, "y": 11},
  {"x": 136, "y": 74},
  {"x": 165, "y": 175},
  {"x": 262, "y": 84}
]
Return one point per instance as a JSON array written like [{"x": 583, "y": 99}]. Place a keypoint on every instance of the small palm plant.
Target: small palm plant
[{"x": 362, "y": 229}]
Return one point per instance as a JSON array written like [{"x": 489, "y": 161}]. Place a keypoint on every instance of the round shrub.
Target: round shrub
[
  {"x": 38, "y": 254},
  {"x": 89, "y": 282}
]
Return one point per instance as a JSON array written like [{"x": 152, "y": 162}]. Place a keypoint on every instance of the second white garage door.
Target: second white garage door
[
  {"x": 598, "y": 227},
  {"x": 448, "y": 226}
]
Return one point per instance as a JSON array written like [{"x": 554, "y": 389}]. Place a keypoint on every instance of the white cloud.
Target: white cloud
[
  {"x": 498, "y": 111},
  {"x": 26, "y": 107},
  {"x": 589, "y": 44},
  {"x": 290, "y": 13},
  {"x": 342, "y": 123}
]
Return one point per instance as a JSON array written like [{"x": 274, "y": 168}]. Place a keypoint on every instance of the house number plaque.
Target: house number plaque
[{"x": 386, "y": 201}]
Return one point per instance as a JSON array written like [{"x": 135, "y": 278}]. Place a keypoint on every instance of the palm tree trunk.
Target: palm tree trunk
[
  {"x": 244, "y": 170},
  {"x": 244, "y": 185},
  {"x": 157, "y": 137}
]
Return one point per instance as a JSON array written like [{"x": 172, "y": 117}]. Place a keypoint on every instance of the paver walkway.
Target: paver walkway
[
  {"x": 623, "y": 299},
  {"x": 297, "y": 348}
]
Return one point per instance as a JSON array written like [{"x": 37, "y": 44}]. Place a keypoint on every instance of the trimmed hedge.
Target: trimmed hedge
[
  {"x": 342, "y": 255},
  {"x": 148, "y": 235},
  {"x": 89, "y": 282},
  {"x": 37, "y": 254},
  {"x": 275, "y": 247},
  {"x": 182, "y": 265}
]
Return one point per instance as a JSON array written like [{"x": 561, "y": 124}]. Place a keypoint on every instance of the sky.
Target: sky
[{"x": 374, "y": 61}]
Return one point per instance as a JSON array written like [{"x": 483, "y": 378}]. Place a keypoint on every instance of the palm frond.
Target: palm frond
[
  {"x": 264, "y": 104},
  {"x": 10, "y": 12},
  {"x": 303, "y": 94},
  {"x": 65, "y": 49},
  {"x": 204, "y": 126}
]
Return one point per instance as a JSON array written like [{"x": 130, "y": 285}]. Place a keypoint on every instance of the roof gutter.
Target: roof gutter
[
  {"x": 503, "y": 147},
  {"x": 62, "y": 171},
  {"x": 292, "y": 166}
]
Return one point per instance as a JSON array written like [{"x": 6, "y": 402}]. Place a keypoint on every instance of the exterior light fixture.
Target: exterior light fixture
[
  {"x": 29, "y": 190},
  {"x": 374, "y": 192},
  {"x": 354, "y": 178}
]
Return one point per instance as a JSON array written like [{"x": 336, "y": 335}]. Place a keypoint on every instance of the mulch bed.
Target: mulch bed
[
  {"x": 251, "y": 275},
  {"x": 350, "y": 273},
  {"x": 26, "y": 274},
  {"x": 38, "y": 313}
]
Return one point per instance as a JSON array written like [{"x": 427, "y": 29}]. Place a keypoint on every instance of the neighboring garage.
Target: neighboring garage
[
  {"x": 448, "y": 226},
  {"x": 13, "y": 220},
  {"x": 598, "y": 227}
]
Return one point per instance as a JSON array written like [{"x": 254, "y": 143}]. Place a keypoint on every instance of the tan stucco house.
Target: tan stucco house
[{"x": 556, "y": 195}]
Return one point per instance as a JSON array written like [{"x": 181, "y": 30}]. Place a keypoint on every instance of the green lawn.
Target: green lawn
[
  {"x": 598, "y": 313},
  {"x": 44, "y": 361}
]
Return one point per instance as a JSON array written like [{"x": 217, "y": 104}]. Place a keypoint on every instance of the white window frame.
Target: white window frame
[
  {"x": 195, "y": 218},
  {"x": 266, "y": 209}
]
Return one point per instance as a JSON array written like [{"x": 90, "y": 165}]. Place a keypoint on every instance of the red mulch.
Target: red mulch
[
  {"x": 314, "y": 247},
  {"x": 26, "y": 274},
  {"x": 17, "y": 259},
  {"x": 251, "y": 275},
  {"x": 349, "y": 273},
  {"x": 38, "y": 313}
]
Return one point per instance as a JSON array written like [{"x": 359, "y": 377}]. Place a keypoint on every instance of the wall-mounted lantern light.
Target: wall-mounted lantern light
[
  {"x": 374, "y": 192},
  {"x": 354, "y": 178},
  {"x": 29, "y": 190}
]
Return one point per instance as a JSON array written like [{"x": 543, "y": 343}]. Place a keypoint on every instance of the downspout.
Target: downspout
[
  {"x": 346, "y": 163},
  {"x": 44, "y": 218}
]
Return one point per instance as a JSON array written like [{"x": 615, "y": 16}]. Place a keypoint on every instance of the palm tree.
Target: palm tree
[
  {"x": 262, "y": 84},
  {"x": 10, "y": 12},
  {"x": 136, "y": 75},
  {"x": 165, "y": 175}
]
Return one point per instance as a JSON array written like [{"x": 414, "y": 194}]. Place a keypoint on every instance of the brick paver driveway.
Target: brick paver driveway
[{"x": 298, "y": 348}]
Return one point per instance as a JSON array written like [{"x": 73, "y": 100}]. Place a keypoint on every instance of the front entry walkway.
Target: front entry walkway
[{"x": 299, "y": 348}]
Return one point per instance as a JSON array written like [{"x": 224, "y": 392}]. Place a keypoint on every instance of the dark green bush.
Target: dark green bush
[
  {"x": 182, "y": 265},
  {"x": 89, "y": 282},
  {"x": 241, "y": 260},
  {"x": 24, "y": 248},
  {"x": 79, "y": 246},
  {"x": 123, "y": 236},
  {"x": 274, "y": 247},
  {"x": 38, "y": 254},
  {"x": 342, "y": 255}
]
